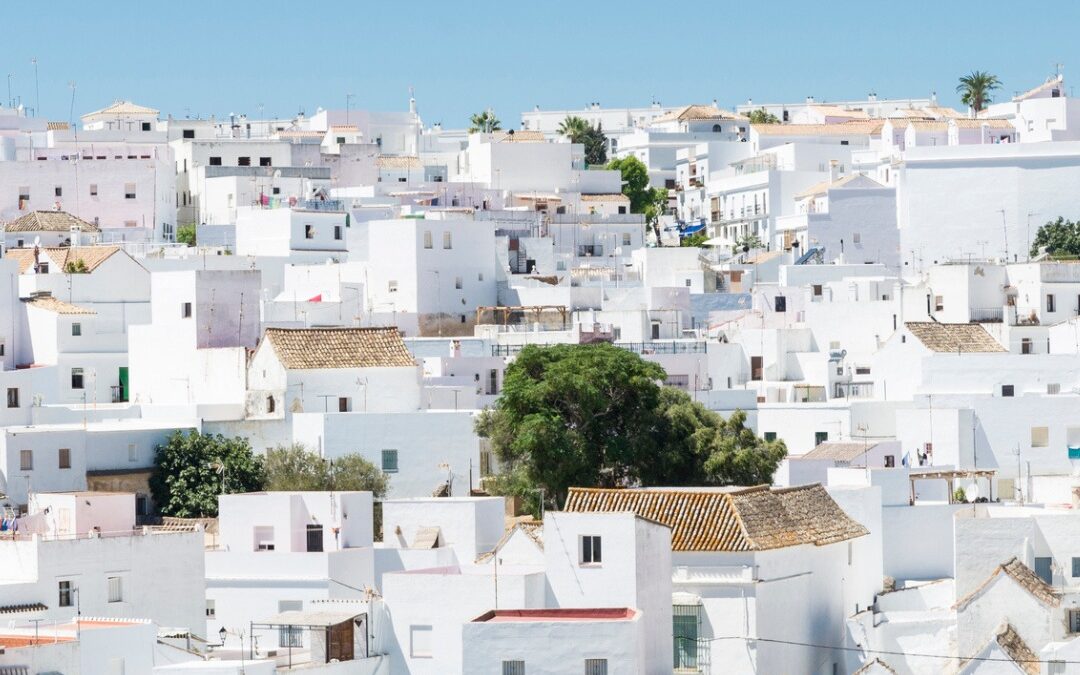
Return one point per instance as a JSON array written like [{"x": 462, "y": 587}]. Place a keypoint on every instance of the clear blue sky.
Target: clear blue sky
[{"x": 219, "y": 57}]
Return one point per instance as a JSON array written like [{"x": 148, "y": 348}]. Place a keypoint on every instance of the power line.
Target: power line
[{"x": 863, "y": 650}]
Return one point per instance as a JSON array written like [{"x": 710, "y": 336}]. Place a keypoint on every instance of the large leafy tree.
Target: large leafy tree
[
  {"x": 484, "y": 122},
  {"x": 763, "y": 116},
  {"x": 185, "y": 234},
  {"x": 1060, "y": 237},
  {"x": 573, "y": 127},
  {"x": 192, "y": 469},
  {"x": 596, "y": 415},
  {"x": 577, "y": 130},
  {"x": 296, "y": 468},
  {"x": 635, "y": 181},
  {"x": 976, "y": 89}
]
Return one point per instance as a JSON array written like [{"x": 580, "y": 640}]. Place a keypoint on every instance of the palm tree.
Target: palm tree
[
  {"x": 574, "y": 128},
  {"x": 975, "y": 89},
  {"x": 485, "y": 122}
]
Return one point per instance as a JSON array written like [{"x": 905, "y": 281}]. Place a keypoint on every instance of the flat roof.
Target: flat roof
[
  {"x": 126, "y": 424},
  {"x": 562, "y": 614}
]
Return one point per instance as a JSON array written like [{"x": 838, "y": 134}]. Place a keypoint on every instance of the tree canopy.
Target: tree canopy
[
  {"x": 1060, "y": 237},
  {"x": 763, "y": 116},
  {"x": 579, "y": 131},
  {"x": 185, "y": 234},
  {"x": 296, "y": 468},
  {"x": 192, "y": 469},
  {"x": 635, "y": 180},
  {"x": 597, "y": 415},
  {"x": 485, "y": 122},
  {"x": 976, "y": 89}
]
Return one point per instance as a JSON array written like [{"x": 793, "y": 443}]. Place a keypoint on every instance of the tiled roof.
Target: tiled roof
[
  {"x": 1051, "y": 82},
  {"x": 319, "y": 348},
  {"x": 856, "y": 128},
  {"x": 51, "y": 304},
  {"x": 928, "y": 125},
  {"x": 825, "y": 185},
  {"x": 616, "y": 197},
  {"x": 93, "y": 256},
  {"x": 940, "y": 111},
  {"x": 398, "y": 162},
  {"x": 57, "y": 126},
  {"x": 49, "y": 221},
  {"x": 968, "y": 123},
  {"x": 1013, "y": 645},
  {"x": 698, "y": 112},
  {"x": 839, "y": 451},
  {"x": 300, "y": 133},
  {"x": 122, "y": 108},
  {"x": 877, "y": 665},
  {"x": 521, "y": 136},
  {"x": 953, "y": 337},
  {"x": 344, "y": 127},
  {"x": 18, "y": 609},
  {"x": 749, "y": 519},
  {"x": 1024, "y": 577},
  {"x": 533, "y": 530}
]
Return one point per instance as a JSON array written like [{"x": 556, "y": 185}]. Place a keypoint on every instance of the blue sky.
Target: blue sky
[{"x": 220, "y": 57}]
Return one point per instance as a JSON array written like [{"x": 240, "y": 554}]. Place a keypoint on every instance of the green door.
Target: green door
[{"x": 123, "y": 397}]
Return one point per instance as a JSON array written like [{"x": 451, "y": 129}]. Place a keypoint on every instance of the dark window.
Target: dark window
[
  {"x": 590, "y": 550},
  {"x": 314, "y": 539},
  {"x": 65, "y": 594},
  {"x": 146, "y": 126},
  {"x": 215, "y": 161},
  {"x": 770, "y": 435},
  {"x": 820, "y": 437},
  {"x": 76, "y": 378},
  {"x": 756, "y": 368},
  {"x": 337, "y": 232},
  {"x": 185, "y": 310},
  {"x": 13, "y": 397},
  {"x": 275, "y": 191},
  {"x": 58, "y": 191},
  {"x": 343, "y": 404},
  {"x": 622, "y": 210},
  {"x": 1007, "y": 390},
  {"x": 1044, "y": 569},
  {"x": 890, "y": 461},
  {"x": 189, "y": 133},
  {"x": 309, "y": 232},
  {"x": 65, "y": 458},
  {"x": 264, "y": 161},
  {"x": 1076, "y": 567},
  {"x": 270, "y": 404},
  {"x": 389, "y": 461},
  {"x": 243, "y": 161},
  {"x": 76, "y": 329},
  {"x": 780, "y": 303}
]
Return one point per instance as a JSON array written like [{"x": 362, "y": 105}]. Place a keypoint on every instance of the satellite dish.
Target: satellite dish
[{"x": 971, "y": 492}]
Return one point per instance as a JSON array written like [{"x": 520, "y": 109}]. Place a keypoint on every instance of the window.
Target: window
[
  {"x": 309, "y": 232},
  {"x": 65, "y": 458},
  {"x": 1051, "y": 387},
  {"x": 133, "y": 452},
  {"x": 427, "y": 239},
  {"x": 780, "y": 303},
  {"x": 185, "y": 310},
  {"x": 275, "y": 190},
  {"x": 770, "y": 436},
  {"x": 1025, "y": 346},
  {"x": 243, "y": 161},
  {"x": 457, "y": 283},
  {"x": 1007, "y": 390},
  {"x": 76, "y": 378},
  {"x": 626, "y": 239},
  {"x": 513, "y": 668},
  {"x": 58, "y": 191},
  {"x": 817, "y": 290},
  {"x": 448, "y": 240},
  {"x": 116, "y": 589},
  {"x": 890, "y": 463},
  {"x": 24, "y": 195},
  {"x": 939, "y": 303},
  {"x": 686, "y": 622},
  {"x": 215, "y": 161},
  {"x": 65, "y": 594},
  {"x": 595, "y": 666},
  {"x": 26, "y": 460},
  {"x": 820, "y": 437},
  {"x": 479, "y": 277},
  {"x": 264, "y": 537},
  {"x": 340, "y": 140},
  {"x": 129, "y": 190},
  {"x": 188, "y": 133},
  {"x": 420, "y": 641},
  {"x": 290, "y": 636},
  {"x": 131, "y": 223},
  {"x": 688, "y": 283},
  {"x": 344, "y": 404},
  {"x": 391, "y": 286},
  {"x": 756, "y": 367},
  {"x": 337, "y": 233},
  {"x": 269, "y": 404},
  {"x": 13, "y": 397},
  {"x": 389, "y": 461},
  {"x": 211, "y": 609},
  {"x": 862, "y": 370},
  {"x": 1040, "y": 437},
  {"x": 590, "y": 550},
  {"x": 265, "y": 161},
  {"x": 1050, "y": 304},
  {"x": 1076, "y": 567},
  {"x": 76, "y": 329},
  {"x": 314, "y": 538},
  {"x": 43, "y": 268}
]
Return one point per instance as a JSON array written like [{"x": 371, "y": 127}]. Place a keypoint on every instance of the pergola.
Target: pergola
[
  {"x": 501, "y": 314},
  {"x": 950, "y": 476},
  {"x": 336, "y": 630}
]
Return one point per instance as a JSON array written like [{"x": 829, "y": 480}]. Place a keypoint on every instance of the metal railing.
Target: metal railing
[{"x": 987, "y": 315}]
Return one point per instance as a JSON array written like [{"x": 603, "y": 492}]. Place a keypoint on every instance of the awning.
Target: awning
[
  {"x": 19, "y": 609},
  {"x": 316, "y": 618}
]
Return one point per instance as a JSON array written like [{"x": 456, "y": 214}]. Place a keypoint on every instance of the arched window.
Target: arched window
[
  {"x": 716, "y": 128},
  {"x": 269, "y": 404}
]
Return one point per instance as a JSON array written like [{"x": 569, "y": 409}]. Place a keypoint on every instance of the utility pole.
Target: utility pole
[{"x": 37, "y": 89}]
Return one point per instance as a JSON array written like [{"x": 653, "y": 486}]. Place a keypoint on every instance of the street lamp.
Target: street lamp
[{"x": 223, "y": 633}]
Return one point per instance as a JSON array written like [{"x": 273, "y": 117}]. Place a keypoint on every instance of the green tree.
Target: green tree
[
  {"x": 295, "y": 468},
  {"x": 597, "y": 415},
  {"x": 574, "y": 128},
  {"x": 77, "y": 266},
  {"x": 696, "y": 239},
  {"x": 976, "y": 89},
  {"x": 185, "y": 234},
  {"x": 192, "y": 469},
  {"x": 635, "y": 182},
  {"x": 747, "y": 242},
  {"x": 1060, "y": 237},
  {"x": 484, "y": 122},
  {"x": 763, "y": 116},
  {"x": 577, "y": 130}
]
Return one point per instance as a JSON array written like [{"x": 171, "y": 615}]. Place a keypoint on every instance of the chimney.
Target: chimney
[
  {"x": 455, "y": 349},
  {"x": 809, "y": 100},
  {"x": 834, "y": 170}
]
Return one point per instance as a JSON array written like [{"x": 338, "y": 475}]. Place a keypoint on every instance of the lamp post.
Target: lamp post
[{"x": 223, "y": 633}]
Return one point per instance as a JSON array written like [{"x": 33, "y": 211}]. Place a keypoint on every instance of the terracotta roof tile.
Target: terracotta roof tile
[
  {"x": 57, "y": 126},
  {"x": 1024, "y": 576},
  {"x": 49, "y": 221},
  {"x": 521, "y": 136},
  {"x": 954, "y": 337},
  {"x": 59, "y": 256},
  {"x": 698, "y": 112},
  {"x": 122, "y": 108},
  {"x": 968, "y": 123},
  {"x": 855, "y": 128},
  {"x": 839, "y": 451},
  {"x": 398, "y": 162},
  {"x": 51, "y": 304},
  {"x": 319, "y": 348},
  {"x": 1014, "y": 645},
  {"x": 616, "y": 197},
  {"x": 748, "y": 519}
]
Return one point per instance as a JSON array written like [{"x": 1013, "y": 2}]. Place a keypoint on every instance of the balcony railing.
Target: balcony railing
[{"x": 988, "y": 315}]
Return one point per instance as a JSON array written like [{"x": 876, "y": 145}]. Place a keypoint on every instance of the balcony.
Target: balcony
[
  {"x": 118, "y": 393},
  {"x": 988, "y": 315},
  {"x": 716, "y": 574}
]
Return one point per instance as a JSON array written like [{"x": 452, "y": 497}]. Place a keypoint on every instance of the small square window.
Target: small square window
[
  {"x": 1040, "y": 437},
  {"x": 129, "y": 190},
  {"x": 590, "y": 550},
  {"x": 243, "y": 161},
  {"x": 215, "y": 161},
  {"x": 770, "y": 436},
  {"x": 58, "y": 191},
  {"x": 26, "y": 460},
  {"x": 1007, "y": 390},
  {"x": 309, "y": 232},
  {"x": 64, "y": 599},
  {"x": 76, "y": 378},
  {"x": 596, "y": 667},
  {"x": 188, "y": 133},
  {"x": 64, "y": 458},
  {"x": 820, "y": 437},
  {"x": 265, "y": 161},
  {"x": 513, "y": 668},
  {"x": 76, "y": 329},
  {"x": 344, "y": 404},
  {"x": 390, "y": 461},
  {"x": 93, "y": 189}
]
